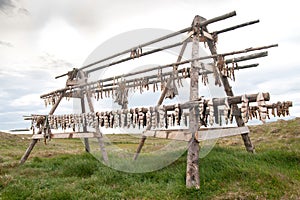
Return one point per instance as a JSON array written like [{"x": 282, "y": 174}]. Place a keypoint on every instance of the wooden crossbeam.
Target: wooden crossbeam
[
  {"x": 204, "y": 23},
  {"x": 202, "y": 134},
  {"x": 235, "y": 27},
  {"x": 68, "y": 135},
  {"x": 238, "y": 59}
]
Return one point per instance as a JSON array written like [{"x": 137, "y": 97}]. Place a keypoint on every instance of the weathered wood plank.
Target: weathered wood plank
[
  {"x": 192, "y": 168},
  {"x": 220, "y": 133},
  {"x": 68, "y": 135},
  {"x": 248, "y": 57},
  {"x": 207, "y": 35},
  {"x": 235, "y": 27},
  {"x": 201, "y": 135}
]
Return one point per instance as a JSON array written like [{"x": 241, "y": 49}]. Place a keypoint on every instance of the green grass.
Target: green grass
[{"x": 61, "y": 170}]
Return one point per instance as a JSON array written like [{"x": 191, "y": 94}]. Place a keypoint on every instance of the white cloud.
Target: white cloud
[
  {"x": 26, "y": 100},
  {"x": 62, "y": 40}
]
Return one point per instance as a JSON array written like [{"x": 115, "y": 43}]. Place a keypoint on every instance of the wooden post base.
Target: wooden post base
[
  {"x": 87, "y": 145},
  {"x": 247, "y": 142},
  {"x": 142, "y": 142},
  {"x": 28, "y": 151},
  {"x": 192, "y": 168}
]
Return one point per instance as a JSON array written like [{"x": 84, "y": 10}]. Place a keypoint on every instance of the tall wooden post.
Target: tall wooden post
[
  {"x": 161, "y": 99},
  {"x": 192, "y": 168},
  {"x": 91, "y": 107},
  {"x": 86, "y": 140},
  {"x": 228, "y": 90}
]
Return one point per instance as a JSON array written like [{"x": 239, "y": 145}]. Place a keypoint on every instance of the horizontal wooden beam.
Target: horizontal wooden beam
[
  {"x": 68, "y": 135},
  {"x": 246, "y": 66},
  {"x": 141, "y": 55},
  {"x": 235, "y": 27},
  {"x": 220, "y": 133},
  {"x": 248, "y": 57},
  {"x": 249, "y": 50},
  {"x": 174, "y": 134},
  {"x": 219, "y": 18},
  {"x": 204, "y": 23},
  {"x": 202, "y": 134},
  {"x": 238, "y": 99},
  {"x": 221, "y": 101},
  {"x": 151, "y": 80},
  {"x": 238, "y": 59}
]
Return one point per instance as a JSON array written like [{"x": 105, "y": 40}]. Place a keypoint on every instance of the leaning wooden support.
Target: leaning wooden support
[
  {"x": 228, "y": 90},
  {"x": 139, "y": 149},
  {"x": 160, "y": 101},
  {"x": 28, "y": 151},
  {"x": 34, "y": 141}
]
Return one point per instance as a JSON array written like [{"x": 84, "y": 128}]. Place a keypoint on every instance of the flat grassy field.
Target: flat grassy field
[{"x": 62, "y": 170}]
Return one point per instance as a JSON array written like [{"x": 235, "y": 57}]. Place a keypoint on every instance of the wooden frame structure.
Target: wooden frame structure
[{"x": 77, "y": 86}]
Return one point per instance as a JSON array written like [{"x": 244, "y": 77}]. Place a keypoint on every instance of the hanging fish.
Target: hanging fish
[
  {"x": 245, "y": 108},
  {"x": 262, "y": 107}
]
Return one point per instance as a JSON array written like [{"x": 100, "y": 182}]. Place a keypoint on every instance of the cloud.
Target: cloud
[
  {"x": 80, "y": 14},
  {"x": 7, "y": 44},
  {"x": 11, "y": 8},
  {"x": 26, "y": 100},
  {"x": 20, "y": 93},
  {"x": 23, "y": 11},
  {"x": 53, "y": 62},
  {"x": 6, "y": 6}
]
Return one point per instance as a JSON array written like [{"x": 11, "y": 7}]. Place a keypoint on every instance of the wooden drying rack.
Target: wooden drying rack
[{"x": 77, "y": 86}]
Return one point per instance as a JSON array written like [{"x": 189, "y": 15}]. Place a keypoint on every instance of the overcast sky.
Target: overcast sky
[{"x": 42, "y": 39}]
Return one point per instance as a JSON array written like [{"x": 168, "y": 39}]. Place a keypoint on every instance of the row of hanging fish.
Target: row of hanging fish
[
  {"x": 118, "y": 88},
  {"x": 52, "y": 99},
  {"x": 279, "y": 109},
  {"x": 158, "y": 117},
  {"x": 262, "y": 110},
  {"x": 133, "y": 118},
  {"x": 224, "y": 68}
]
